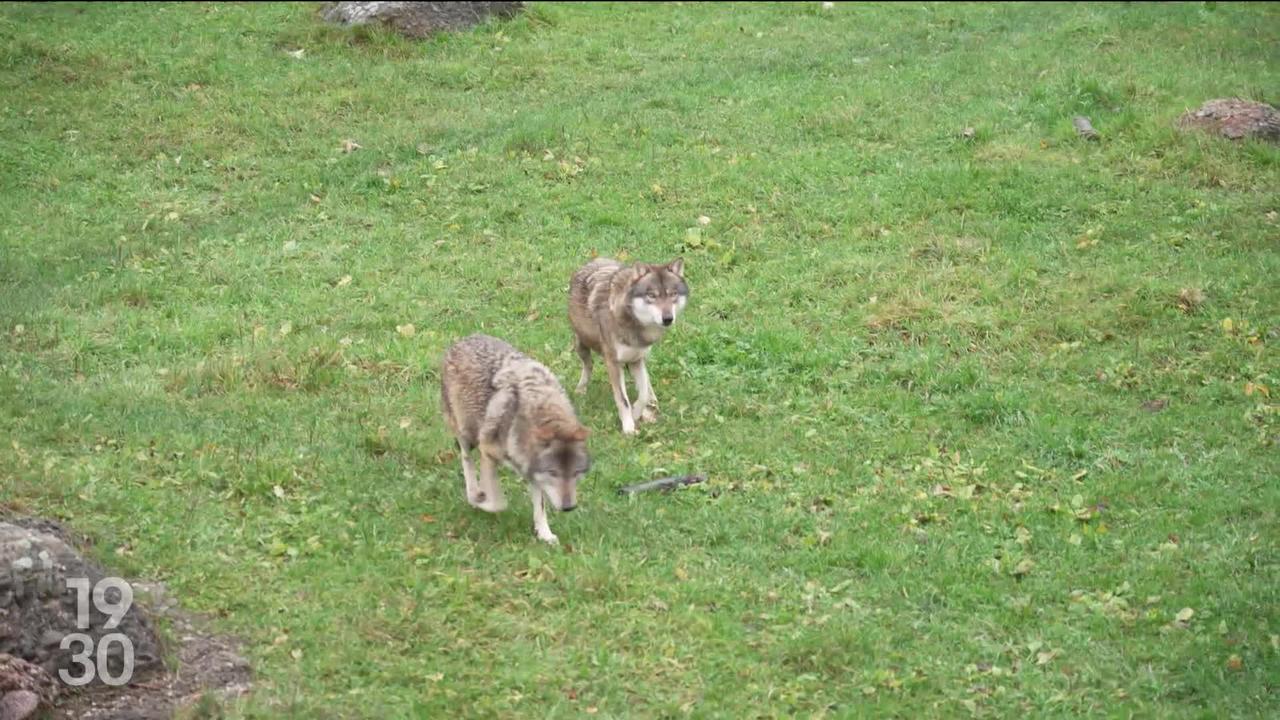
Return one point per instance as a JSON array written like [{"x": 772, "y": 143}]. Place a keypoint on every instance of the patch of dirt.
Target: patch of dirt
[
  {"x": 204, "y": 664},
  {"x": 192, "y": 664}
]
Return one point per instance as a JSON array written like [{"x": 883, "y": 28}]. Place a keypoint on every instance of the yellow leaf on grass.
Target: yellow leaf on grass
[
  {"x": 406, "y": 330},
  {"x": 1184, "y": 615}
]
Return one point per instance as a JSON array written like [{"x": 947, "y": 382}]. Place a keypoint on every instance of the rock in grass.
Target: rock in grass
[
  {"x": 419, "y": 19},
  {"x": 1084, "y": 127},
  {"x": 1234, "y": 119},
  {"x": 38, "y": 609}
]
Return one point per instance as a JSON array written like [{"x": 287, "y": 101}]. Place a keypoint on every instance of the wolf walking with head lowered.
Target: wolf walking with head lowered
[
  {"x": 621, "y": 312},
  {"x": 514, "y": 410}
]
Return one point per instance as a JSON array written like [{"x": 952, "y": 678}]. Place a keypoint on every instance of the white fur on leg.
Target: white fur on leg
[
  {"x": 583, "y": 380},
  {"x": 540, "y": 526}
]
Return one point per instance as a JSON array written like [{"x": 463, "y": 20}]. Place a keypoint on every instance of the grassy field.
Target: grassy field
[{"x": 992, "y": 423}]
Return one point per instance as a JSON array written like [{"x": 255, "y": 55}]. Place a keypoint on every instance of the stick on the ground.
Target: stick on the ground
[
  {"x": 665, "y": 483},
  {"x": 1084, "y": 127}
]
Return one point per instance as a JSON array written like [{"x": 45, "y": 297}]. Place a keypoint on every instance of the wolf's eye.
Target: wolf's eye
[{"x": 652, "y": 295}]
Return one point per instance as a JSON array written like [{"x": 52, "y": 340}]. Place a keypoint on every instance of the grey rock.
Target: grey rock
[
  {"x": 1235, "y": 119},
  {"x": 24, "y": 688},
  {"x": 38, "y": 609}
]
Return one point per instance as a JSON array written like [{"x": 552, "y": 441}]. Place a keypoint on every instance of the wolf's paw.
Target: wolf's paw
[
  {"x": 628, "y": 425},
  {"x": 548, "y": 537},
  {"x": 581, "y": 389},
  {"x": 487, "y": 503},
  {"x": 648, "y": 414}
]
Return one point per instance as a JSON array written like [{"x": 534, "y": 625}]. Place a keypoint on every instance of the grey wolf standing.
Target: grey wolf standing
[
  {"x": 511, "y": 407},
  {"x": 621, "y": 312}
]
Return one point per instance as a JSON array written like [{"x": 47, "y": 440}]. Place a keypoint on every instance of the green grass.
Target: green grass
[{"x": 914, "y": 365}]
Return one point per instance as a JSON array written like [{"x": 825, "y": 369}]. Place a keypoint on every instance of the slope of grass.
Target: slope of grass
[{"x": 969, "y": 451}]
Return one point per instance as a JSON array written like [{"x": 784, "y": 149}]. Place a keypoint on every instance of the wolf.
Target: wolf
[
  {"x": 514, "y": 410},
  {"x": 621, "y": 312}
]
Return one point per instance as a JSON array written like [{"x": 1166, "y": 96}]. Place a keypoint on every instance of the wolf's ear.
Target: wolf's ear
[
  {"x": 677, "y": 266},
  {"x": 579, "y": 434}
]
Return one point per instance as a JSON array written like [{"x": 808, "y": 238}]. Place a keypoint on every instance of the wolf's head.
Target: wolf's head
[
  {"x": 560, "y": 460},
  {"x": 658, "y": 292}
]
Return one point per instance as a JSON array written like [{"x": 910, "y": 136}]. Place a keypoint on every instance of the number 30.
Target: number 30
[{"x": 100, "y": 669}]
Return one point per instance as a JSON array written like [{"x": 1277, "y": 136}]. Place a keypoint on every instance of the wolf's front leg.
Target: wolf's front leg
[
  {"x": 619, "y": 385},
  {"x": 644, "y": 409},
  {"x": 540, "y": 526},
  {"x": 490, "y": 497},
  {"x": 474, "y": 494}
]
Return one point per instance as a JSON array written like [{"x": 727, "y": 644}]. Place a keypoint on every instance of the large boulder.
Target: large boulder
[
  {"x": 419, "y": 19},
  {"x": 1235, "y": 119},
  {"x": 38, "y": 609}
]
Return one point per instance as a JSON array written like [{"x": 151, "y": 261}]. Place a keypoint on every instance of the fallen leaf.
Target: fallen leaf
[
  {"x": 1235, "y": 662},
  {"x": 406, "y": 330},
  {"x": 296, "y": 653},
  {"x": 681, "y": 574},
  {"x": 405, "y": 423},
  {"x": 344, "y": 281},
  {"x": 296, "y": 54},
  {"x": 1023, "y": 568},
  {"x": 278, "y": 491},
  {"x": 1228, "y": 325},
  {"x": 349, "y": 146},
  {"x": 968, "y": 133},
  {"x": 1184, "y": 616},
  {"x": 1154, "y": 406},
  {"x": 703, "y": 220},
  {"x": 1044, "y": 658},
  {"x": 285, "y": 328}
]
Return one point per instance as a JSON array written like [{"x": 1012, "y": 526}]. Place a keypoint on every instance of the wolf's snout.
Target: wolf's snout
[
  {"x": 667, "y": 320},
  {"x": 568, "y": 508}
]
